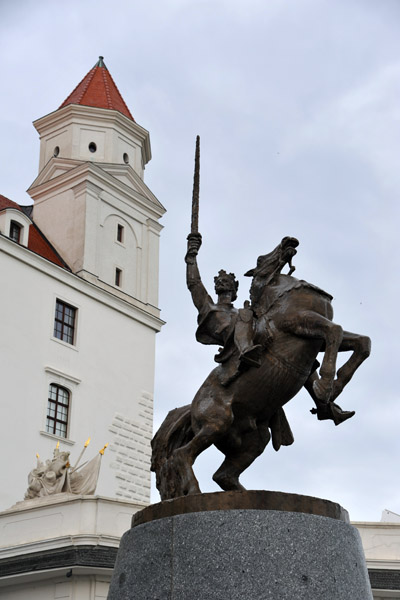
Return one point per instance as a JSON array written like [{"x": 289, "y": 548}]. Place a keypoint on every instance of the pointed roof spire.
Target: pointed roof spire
[
  {"x": 100, "y": 63},
  {"x": 98, "y": 89}
]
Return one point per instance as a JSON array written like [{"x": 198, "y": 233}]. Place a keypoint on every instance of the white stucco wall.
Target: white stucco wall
[
  {"x": 109, "y": 370},
  {"x": 79, "y": 215}
]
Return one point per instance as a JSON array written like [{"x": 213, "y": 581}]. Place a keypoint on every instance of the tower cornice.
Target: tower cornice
[{"x": 90, "y": 115}]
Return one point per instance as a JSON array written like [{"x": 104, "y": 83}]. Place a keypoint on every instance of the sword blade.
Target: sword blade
[{"x": 196, "y": 189}]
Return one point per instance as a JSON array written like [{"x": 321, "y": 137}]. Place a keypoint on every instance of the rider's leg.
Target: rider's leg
[
  {"x": 237, "y": 459},
  {"x": 249, "y": 354}
]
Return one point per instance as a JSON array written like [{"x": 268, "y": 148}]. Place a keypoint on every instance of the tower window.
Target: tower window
[
  {"x": 120, "y": 233},
  {"x": 57, "y": 410},
  {"x": 64, "y": 322},
  {"x": 15, "y": 231},
  {"x": 92, "y": 147},
  {"x": 126, "y": 158},
  {"x": 118, "y": 277}
]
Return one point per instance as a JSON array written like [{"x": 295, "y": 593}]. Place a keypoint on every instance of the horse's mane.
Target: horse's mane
[{"x": 263, "y": 300}]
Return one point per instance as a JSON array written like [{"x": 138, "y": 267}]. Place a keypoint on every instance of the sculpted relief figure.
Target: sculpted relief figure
[
  {"x": 48, "y": 478},
  {"x": 268, "y": 353},
  {"x": 56, "y": 476}
]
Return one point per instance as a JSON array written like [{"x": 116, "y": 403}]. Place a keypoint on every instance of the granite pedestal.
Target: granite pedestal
[{"x": 241, "y": 546}]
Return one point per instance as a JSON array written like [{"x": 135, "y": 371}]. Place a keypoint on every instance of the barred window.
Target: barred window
[
  {"x": 15, "y": 231},
  {"x": 64, "y": 322},
  {"x": 57, "y": 410}
]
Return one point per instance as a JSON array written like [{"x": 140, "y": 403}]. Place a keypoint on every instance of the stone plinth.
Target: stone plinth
[{"x": 241, "y": 546}]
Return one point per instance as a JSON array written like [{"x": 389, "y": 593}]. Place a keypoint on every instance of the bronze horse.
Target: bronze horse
[{"x": 292, "y": 323}]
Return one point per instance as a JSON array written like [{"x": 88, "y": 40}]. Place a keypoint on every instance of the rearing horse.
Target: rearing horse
[{"x": 293, "y": 323}]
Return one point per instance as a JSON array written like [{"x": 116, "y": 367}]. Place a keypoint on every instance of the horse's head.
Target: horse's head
[
  {"x": 270, "y": 265},
  {"x": 273, "y": 263}
]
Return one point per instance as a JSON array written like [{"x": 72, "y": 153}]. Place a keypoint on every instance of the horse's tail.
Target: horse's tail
[{"x": 175, "y": 432}]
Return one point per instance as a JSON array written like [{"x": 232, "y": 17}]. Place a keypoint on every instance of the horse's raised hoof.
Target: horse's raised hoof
[{"x": 339, "y": 415}]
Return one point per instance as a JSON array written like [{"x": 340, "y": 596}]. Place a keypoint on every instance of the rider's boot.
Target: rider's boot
[{"x": 332, "y": 411}]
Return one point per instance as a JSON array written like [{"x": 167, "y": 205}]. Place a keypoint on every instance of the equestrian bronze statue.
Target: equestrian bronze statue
[{"x": 268, "y": 352}]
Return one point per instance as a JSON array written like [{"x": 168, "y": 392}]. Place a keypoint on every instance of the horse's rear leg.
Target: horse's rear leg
[
  {"x": 237, "y": 459},
  {"x": 313, "y": 325},
  {"x": 361, "y": 347},
  {"x": 212, "y": 423}
]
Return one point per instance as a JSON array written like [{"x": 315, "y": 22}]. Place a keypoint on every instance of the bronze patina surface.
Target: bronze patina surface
[
  {"x": 268, "y": 353},
  {"x": 243, "y": 500}
]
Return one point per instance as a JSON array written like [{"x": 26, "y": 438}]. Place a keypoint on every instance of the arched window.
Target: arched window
[
  {"x": 57, "y": 410},
  {"x": 15, "y": 231}
]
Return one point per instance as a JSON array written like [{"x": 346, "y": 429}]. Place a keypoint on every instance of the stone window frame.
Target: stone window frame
[
  {"x": 70, "y": 383},
  {"x": 58, "y": 410}
]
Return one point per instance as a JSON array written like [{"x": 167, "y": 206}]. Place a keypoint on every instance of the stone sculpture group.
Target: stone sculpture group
[{"x": 56, "y": 476}]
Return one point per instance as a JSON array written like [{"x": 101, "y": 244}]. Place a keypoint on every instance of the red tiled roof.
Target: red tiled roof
[
  {"x": 40, "y": 245},
  {"x": 98, "y": 89},
  {"x": 37, "y": 242},
  {"x": 7, "y": 203}
]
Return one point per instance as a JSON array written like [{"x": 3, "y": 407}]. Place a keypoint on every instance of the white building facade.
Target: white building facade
[{"x": 80, "y": 314}]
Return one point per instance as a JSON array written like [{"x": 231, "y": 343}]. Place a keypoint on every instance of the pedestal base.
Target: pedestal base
[{"x": 241, "y": 553}]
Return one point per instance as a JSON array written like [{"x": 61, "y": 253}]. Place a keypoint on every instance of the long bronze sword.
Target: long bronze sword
[{"x": 196, "y": 189}]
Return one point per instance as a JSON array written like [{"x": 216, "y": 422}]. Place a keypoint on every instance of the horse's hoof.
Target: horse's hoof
[
  {"x": 339, "y": 415},
  {"x": 227, "y": 483}
]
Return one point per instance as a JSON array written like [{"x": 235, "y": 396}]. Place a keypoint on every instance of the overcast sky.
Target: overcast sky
[{"x": 298, "y": 106}]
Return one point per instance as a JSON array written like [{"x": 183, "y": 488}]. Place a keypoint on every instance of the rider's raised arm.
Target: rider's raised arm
[{"x": 193, "y": 279}]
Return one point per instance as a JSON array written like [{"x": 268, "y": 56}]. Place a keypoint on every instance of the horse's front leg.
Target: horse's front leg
[
  {"x": 361, "y": 347},
  {"x": 313, "y": 325}
]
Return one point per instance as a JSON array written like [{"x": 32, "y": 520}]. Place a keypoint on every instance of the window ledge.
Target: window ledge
[
  {"x": 62, "y": 375},
  {"x": 65, "y": 344},
  {"x": 57, "y": 437}
]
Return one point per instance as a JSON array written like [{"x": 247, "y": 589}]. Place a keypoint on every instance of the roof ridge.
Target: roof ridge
[
  {"x": 123, "y": 101},
  {"x": 88, "y": 82},
  {"x": 107, "y": 87}
]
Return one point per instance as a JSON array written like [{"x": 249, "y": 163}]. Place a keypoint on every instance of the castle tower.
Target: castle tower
[
  {"x": 90, "y": 197},
  {"x": 82, "y": 290}
]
